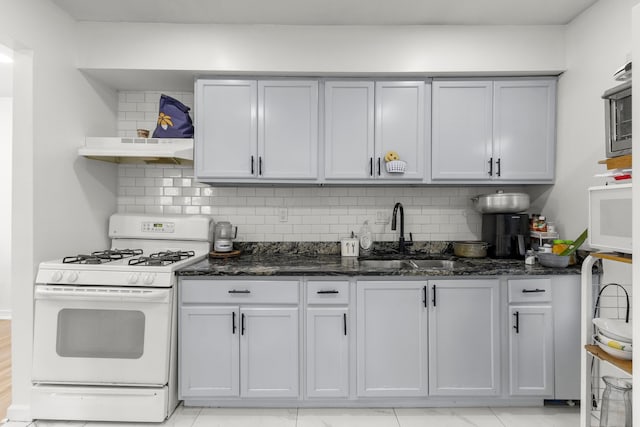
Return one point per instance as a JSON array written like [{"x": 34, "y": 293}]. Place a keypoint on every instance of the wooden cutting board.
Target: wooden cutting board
[{"x": 232, "y": 254}]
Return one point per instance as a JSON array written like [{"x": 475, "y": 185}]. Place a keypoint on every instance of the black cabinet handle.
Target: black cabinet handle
[
  {"x": 498, "y": 163},
  {"x": 260, "y": 165},
  {"x": 370, "y": 166},
  {"x": 344, "y": 322},
  {"x": 424, "y": 296},
  {"x": 491, "y": 166},
  {"x": 434, "y": 295},
  {"x": 532, "y": 291},
  {"x": 378, "y": 166},
  {"x": 332, "y": 291},
  {"x": 242, "y": 324},
  {"x": 239, "y": 291},
  {"x": 233, "y": 322},
  {"x": 517, "y": 325},
  {"x": 252, "y": 168}
]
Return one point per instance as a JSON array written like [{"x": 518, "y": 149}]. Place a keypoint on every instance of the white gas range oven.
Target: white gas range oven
[{"x": 105, "y": 322}]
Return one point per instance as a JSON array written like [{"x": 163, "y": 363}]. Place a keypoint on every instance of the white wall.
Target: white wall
[
  {"x": 598, "y": 42},
  {"x": 322, "y": 49},
  {"x": 60, "y": 202},
  {"x": 6, "y": 124}
]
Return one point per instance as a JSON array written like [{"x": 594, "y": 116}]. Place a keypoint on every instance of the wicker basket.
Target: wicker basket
[{"x": 396, "y": 166}]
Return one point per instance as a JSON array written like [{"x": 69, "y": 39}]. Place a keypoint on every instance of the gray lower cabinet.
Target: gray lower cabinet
[
  {"x": 531, "y": 337},
  {"x": 327, "y": 338},
  {"x": 464, "y": 337},
  {"x": 399, "y": 340},
  {"x": 209, "y": 351},
  {"x": 391, "y": 339},
  {"x": 238, "y": 339}
]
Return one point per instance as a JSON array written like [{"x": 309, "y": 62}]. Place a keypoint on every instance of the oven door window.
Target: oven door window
[{"x": 110, "y": 334}]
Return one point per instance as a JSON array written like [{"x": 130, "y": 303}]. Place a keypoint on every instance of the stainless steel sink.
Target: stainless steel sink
[
  {"x": 441, "y": 264},
  {"x": 418, "y": 264},
  {"x": 385, "y": 263}
]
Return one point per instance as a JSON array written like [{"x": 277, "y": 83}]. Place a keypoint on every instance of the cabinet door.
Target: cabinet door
[
  {"x": 269, "y": 352},
  {"x": 209, "y": 355},
  {"x": 349, "y": 130},
  {"x": 400, "y": 123},
  {"x": 226, "y": 137},
  {"x": 525, "y": 129},
  {"x": 531, "y": 350},
  {"x": 288, "y": 129},
  {"x": 461, "y": 141},
  {"x": 391, "y": 339},
  {"x": 327, "y": 352},
  {"x": 464, "y": 345}
]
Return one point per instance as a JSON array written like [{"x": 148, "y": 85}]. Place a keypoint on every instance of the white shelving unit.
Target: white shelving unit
[{"x": 589, "y": 351}]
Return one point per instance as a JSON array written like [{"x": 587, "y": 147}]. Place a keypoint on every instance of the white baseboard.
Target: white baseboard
[
  {"x": 5, "y": 314},
  {"x": 19, "y": 413}
]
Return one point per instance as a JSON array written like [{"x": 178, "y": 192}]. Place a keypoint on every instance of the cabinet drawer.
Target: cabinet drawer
[
  {"x": 530, "y": 290},
  {"x": 239, "y": 291},
  {"x": 327, "y": 292}
]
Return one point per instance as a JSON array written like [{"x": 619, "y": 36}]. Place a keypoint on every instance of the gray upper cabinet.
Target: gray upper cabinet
[
  {"x": 364, "y": 120},
  {"x": 349, "y": 126},
  {"x": 400, "y": 124},
  {"x": 494, "y": 131},
  {"x": 258, "y": 131},
  {"x": 462, "y": 130},
  {"x": 226, "y": 129}
]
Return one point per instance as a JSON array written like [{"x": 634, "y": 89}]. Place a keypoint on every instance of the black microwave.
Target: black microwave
[{"x": 618, "y": 120}]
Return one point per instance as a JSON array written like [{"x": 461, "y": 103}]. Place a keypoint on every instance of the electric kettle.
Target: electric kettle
[{"x": 223, "y": 236}]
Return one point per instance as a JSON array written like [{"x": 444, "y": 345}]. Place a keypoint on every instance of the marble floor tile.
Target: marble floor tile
[
  {"x": 447, "y": 417},
  {"x": 348, "y": 417},
  {"x": 539, "y": 417},
  {"x": 47, "y": 423},
  {"x": 246, "y": 417}
]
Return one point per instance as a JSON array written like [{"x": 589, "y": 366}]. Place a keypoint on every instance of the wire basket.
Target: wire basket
[{"x": 396, "y": 166}]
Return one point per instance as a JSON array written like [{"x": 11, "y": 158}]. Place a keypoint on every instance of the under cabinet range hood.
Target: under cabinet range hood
[{"x": 139, "y": 150}]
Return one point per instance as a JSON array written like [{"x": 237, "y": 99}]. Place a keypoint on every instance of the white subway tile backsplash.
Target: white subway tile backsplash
[{"x": 313, "y": 213}]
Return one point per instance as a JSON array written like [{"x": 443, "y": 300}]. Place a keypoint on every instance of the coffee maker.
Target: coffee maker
[{"x": 507, "y": 234}]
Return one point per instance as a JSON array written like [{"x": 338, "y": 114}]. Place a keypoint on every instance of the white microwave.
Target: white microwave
[{"x": 610, "y": 218}]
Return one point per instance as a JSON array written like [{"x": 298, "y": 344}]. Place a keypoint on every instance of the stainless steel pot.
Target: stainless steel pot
[
  {"x": 470, "y": 249},
  {"x": 501, "y": 202}
]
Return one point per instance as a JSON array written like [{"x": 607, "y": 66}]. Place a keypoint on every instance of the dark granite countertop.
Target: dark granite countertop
[{"x": 294, "y": 261}]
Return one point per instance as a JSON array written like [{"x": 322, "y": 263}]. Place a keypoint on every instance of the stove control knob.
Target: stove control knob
[
  {"x": 149, "y": 278},
  {"x": 133, "y": 278},
  {"x": 73, "y": 276},
  {"x": 57, "y": 276}
]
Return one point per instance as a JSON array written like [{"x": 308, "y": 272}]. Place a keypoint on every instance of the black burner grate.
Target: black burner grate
[
  {"x": 101, "y": 257},
  {"x": 162, "y": 258}
]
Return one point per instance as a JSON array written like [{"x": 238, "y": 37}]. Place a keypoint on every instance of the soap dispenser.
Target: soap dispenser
[{"x": 366, "y": 241}]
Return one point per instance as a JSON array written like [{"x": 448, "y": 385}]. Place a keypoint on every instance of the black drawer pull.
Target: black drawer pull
[
  {"x": 252, "y": 169},
  {"x": 239, "y": 291},
  {"x": 434, "y": 295},
  {"x": 378, "y": 166},
  {"x": 491, "y": 166},
  {"x": 498, "y": 162},
  {"x": 424, "y": 296},
  {"x": 370, "y": 166},
  {"x": 517, "y": 325},
  {"x": 533, "y": 291},
  {"x": 242, "y": 324},
  {"x": 331, "y": 291}
]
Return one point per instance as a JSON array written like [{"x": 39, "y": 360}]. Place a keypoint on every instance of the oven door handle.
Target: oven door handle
[{"x": 102, "y": 294}]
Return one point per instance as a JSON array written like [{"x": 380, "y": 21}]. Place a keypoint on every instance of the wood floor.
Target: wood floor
[{"x": 5, "y": 367}]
